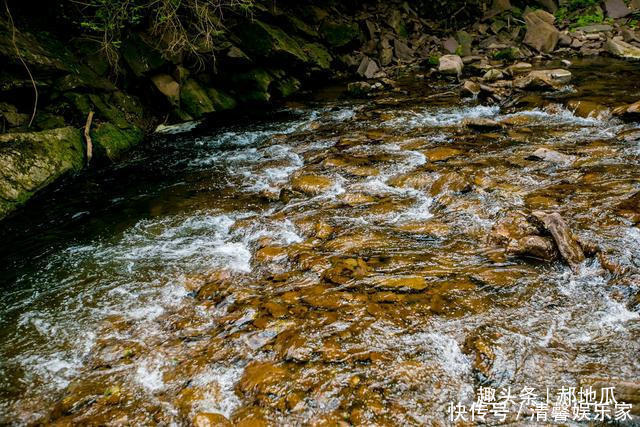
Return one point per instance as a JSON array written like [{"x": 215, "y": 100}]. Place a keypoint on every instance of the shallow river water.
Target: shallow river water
[{"x": 330, "y": 262}]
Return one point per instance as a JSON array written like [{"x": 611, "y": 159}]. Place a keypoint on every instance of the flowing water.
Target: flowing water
[{"x": 193, "y": 278}]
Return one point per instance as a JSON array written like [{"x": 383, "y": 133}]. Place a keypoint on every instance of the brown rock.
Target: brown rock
[
  {"x": 262, "y": 377},
  {"x": 544, "y": 79},
  {"x": 567, "y": 244},
  {"x": 204, "y": 419},
  {"x": 481, "y": 124},
  {"x": 450, "y": 182},
  {"x": 588, "y": 109},
  {"x": 168, "y": 87},
  {"x": 631, "y": 111},
  {"x": 311, "y": 184},
  {"x": 541, "y": 33},
  {"x": 470, "y": 88},
  {"x": 534, "y": 246}
]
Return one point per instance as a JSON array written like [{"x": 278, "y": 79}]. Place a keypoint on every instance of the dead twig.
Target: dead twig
[
  {"x": 15, "y": 46},
  {"x": 87, "y": 137}
]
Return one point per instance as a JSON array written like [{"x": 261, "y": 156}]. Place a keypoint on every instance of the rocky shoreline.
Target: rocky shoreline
[{"x": 270, "y": 56}]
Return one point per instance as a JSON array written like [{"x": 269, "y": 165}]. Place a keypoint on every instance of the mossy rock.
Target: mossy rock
[
  {"x": 46, "y": 121},
  {"x": 299, "y": 26},
  {"x": 32, "y": 160},
  {"x": 507, "y": 54},
  {"x": 318, "y": 55},
  {"x": 194, "y": 99},
  {"x": 140, "y": 56},
  {"x": 112, "y": 142},
  {"x": 287, "y": 86},
  {"x": 106, "y": 111},
  {"x": 253, "y": 86},
  {"x": 264, "y": 40},
  {"x": 221, "y": 101},
  {"x": 340, "y": 34}
]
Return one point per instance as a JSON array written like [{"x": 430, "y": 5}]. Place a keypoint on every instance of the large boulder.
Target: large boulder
[
  {"x": 167, "y": 86},
  {"x": 541, "y": 34},
  {"x": 616, "y": 9},
  {"x": 31, "y": 161},
  {"x": 623, "y": 49},
  {"x": 194, "y": 99},
  {"x": 264, "y": 40},
  {"x": 111, "y": 141},
  {"x": 450, "y": 65},
  {"x": 340, "y": 34}
]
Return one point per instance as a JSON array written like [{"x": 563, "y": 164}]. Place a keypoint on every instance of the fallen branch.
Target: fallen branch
[{"x": 87, "y": 137}]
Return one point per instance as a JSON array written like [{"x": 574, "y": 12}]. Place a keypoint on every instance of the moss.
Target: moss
[
  {"x": 287, "y": 86},
  {"x": 508, "y": 54},
  {"x": 301, "y": 27},
  {"x": 194, "y": 99},
  {"x": 254, "y": 85},
  {"x": 318, "y": 55},
  {"x": 112, "y": 141},
  {"x": 108, "y": 112},
  {"x": 140, "y": 56},
  {"x": 434, "y": 60},
  {"x": 80, "y": 102},
  {"x": 32, "y": 160},
  {"x": 49, "y": 121},
  {"x": 265, "y": 40},
  {"x": 338, "y": 34},
  {"x": 221, "y": 101}
]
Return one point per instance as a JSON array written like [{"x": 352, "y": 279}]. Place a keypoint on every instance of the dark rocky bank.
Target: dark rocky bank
[{"x": 266, "y": 57}]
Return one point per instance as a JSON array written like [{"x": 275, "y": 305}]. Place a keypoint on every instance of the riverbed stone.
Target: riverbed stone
[
  {"x": 566, "y": 242},
  {"x": 450, "y": 65},
  {"x": 413, "y": 283},
  {"x": 631, "y": 111},
  {"x": 30, "y": 161},
  {"x": 208, "y": 419},
  {"x": 544, "y": 79},
  {"x": 311, "y": 185},
  {"x": 623, "y": 49}
]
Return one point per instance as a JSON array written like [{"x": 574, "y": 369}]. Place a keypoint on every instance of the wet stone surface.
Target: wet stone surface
[{"x": 339, "y": 263}]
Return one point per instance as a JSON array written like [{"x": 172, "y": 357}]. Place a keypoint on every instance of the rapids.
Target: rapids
[{"x": 327, "y": 261}]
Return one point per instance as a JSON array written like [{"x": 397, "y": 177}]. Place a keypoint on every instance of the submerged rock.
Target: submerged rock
[
  {"x": 206, "y": 419},
  {"x": 311, "y": 184},
  {"x": 631, "y": 111}
]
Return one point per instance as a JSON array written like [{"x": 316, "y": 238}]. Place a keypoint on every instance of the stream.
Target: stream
[{"x": 328, "y": 261}]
